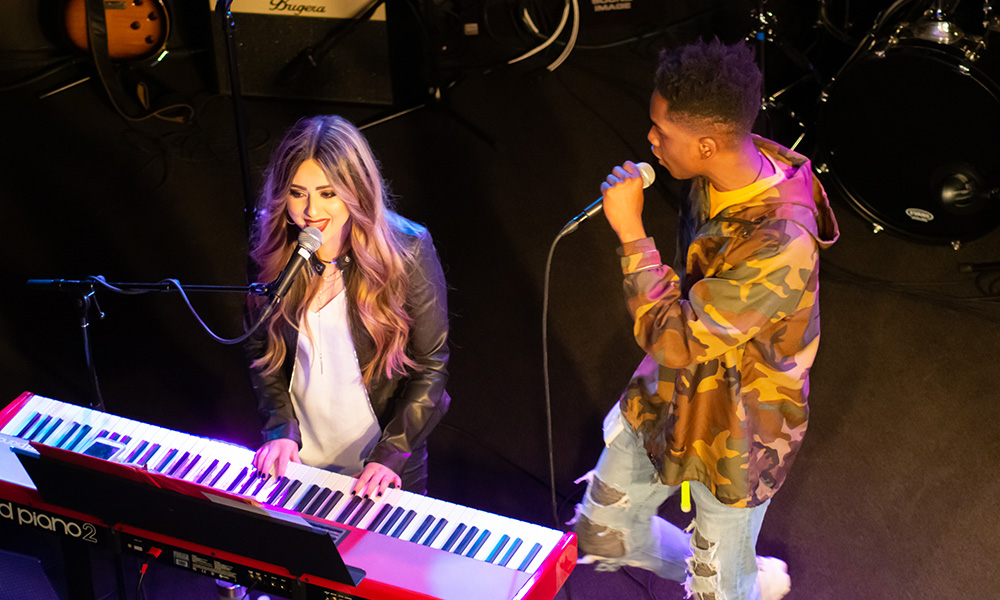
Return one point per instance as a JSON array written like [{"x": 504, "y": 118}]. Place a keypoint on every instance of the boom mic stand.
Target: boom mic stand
[{"x": 85, "y": 291}]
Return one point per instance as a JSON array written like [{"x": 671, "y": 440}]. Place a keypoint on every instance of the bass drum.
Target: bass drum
[{"x": 910, "y": 135}]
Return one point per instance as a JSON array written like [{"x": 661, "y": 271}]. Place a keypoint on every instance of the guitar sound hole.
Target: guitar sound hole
[
  {"x": 149, "y": 40},
  {"x": 135, "y": 25}
]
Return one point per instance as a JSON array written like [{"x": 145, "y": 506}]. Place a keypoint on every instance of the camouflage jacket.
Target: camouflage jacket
[{"x": 721, "y": 396}]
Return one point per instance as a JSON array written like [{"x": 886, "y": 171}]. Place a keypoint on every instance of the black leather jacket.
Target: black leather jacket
[{"x": 407, "y": 407}]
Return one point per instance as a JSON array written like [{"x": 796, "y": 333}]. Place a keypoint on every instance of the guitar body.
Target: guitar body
[{"x": 137, "y": 29}]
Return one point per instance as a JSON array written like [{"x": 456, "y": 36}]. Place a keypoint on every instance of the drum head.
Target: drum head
[{"x": 912, "y": 139}]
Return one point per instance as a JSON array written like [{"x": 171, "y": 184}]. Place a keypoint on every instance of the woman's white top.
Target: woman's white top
[{"x": 338, "y": 426}]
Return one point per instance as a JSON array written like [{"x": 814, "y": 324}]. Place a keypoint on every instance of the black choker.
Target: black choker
[{"x": 319, "y": 265}]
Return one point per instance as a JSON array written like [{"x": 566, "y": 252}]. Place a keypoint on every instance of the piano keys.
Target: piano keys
[{"x": 429, "y": 527}]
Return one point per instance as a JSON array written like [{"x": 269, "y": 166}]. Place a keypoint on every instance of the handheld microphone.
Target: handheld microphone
[
  {"x": 310, "y": 239},
  {"x": 648, "y": 176}
]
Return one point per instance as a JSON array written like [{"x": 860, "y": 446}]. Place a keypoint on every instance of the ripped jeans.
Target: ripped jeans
[{"x": 617, "y": 525}]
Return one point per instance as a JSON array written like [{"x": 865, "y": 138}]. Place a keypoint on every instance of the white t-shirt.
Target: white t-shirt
[{"x": 338, "y": 426}]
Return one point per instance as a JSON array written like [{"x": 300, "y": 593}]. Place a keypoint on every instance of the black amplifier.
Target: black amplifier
[{"x": 356, "y": 51}]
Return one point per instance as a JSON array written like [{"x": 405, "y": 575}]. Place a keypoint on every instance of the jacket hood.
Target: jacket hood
[{"x": 816, "y": 216}]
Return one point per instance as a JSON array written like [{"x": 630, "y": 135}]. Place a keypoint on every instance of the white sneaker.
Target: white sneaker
[{"x": 772, "y": 578}]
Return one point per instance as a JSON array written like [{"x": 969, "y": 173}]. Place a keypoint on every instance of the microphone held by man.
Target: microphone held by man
[{"x": 643, "y": 171}]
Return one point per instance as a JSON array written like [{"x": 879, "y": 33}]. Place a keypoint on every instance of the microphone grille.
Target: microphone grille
[
  {"x": 310, "y": 238},
  {"x": 648, "y": 174}
]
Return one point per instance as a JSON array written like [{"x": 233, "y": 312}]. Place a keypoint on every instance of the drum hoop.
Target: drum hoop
[{"x": 945, "y": 53}]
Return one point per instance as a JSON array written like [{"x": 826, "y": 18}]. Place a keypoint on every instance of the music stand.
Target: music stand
[{"x": 132, "y": 497}]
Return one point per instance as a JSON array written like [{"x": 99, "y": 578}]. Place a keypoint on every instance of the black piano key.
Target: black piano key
[
  {"x": 485, "y": 535},
  {"x": 82, "y": 433},
  {"x": 138, "y": 450},
  {"x": 455, "y": 535},
  {"x": 126, "y": 439},
  {"x": 362, "y": 511},
  {"x": 204, "y": 475},
  {"x": 166, "y": 460},
  {"x": 496, "y": 550},
  {"x": 306, "y": 498},
  {"x": 396, "y": 514},
  {"x": 181, "y": 462},
  {"x": 103, "y": 433},
  {"x": 317, "y": 501},
  {"x": 236, "y": 482},
  {"x": 190, "y": 465},
  {"x": 263, "y": 481},
  {"x": 428, "y": 520},
  {"x": 251, "y": 479},
  {"x": 273, "y": 496},
  {"x": 55, "y": 425},
  {"x": 148, "y": 456},
  {"x": 531, "y": 556},
  {"x": 325, "y": 510},
  {"x": 219, "y": 475},
  {"x": 382, "y": 514},
  {"x": 290, "y": 490},
  {"x": 467, "y": 540},
  {"x": 38, "y": 428},
  {"x": 114, "y": 437},
  {"x": 346, "y": 513},
  {"x": 510, "y": 552},
  {"x": 440, "y": 525},
  {"x": 402, "y": 524},
  {"x": 67, "y": 435},
  {"x": 31, "y": 421}
]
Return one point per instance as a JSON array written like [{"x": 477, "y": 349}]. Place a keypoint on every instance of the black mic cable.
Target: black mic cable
[{"x": 648, "y": 176}]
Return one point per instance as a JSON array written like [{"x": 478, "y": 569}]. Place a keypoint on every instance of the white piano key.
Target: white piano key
[
  {"x": 420, "y": 506},
  {"x": 391, "y": 497},
  {"x": 200, "y": 458},
  {"x": 335, "y": 483},
  {"x": 136, "y": 431},
  {"x": 159, "y": 445},
  {"x": 35, "y": 404},
  {"x": 47, "y": 431},
  {"x": 307, "y": 479},
  {"x": 461, "y": 515}
]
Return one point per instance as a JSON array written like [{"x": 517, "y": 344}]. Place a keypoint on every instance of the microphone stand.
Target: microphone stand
[
  {"x": 85, "y": 291},
  {"x": 225, "y": 15}
]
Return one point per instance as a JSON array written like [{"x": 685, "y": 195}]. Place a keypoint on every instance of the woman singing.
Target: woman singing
[{"x": 350, "y": 370}]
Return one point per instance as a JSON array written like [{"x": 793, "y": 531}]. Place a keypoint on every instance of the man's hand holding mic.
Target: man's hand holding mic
[{"x": 623, "y": 199}]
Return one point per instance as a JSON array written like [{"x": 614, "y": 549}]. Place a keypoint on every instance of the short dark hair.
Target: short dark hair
[{"x": 710, "y": 83}]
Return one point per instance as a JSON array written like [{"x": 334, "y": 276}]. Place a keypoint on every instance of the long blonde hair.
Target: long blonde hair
[{"x": 377, "y": 281}]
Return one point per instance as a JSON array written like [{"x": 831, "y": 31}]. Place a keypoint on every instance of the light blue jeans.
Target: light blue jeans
[{"x": 617, "y": 525}]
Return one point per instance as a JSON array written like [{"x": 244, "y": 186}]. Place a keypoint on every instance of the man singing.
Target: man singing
[{"x": 720, "y": 400}]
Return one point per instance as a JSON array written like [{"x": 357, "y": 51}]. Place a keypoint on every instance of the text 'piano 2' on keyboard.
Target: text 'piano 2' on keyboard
[{"x": 407, "y": 546}]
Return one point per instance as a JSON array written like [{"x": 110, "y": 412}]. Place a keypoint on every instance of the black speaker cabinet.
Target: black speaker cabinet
[{"x": 327, "y": 50}]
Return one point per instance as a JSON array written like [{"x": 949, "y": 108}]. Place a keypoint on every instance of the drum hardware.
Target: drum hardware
[
  {"x": 838, "y": 32},
  {"x": 934, "y": 26},
  {"x": 763, "y": 34}
]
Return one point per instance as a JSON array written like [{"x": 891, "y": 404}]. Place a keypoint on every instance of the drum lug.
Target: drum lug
[{"x": 876, "y": 228}]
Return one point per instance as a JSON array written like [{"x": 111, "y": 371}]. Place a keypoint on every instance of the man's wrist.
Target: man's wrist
[{"x": 631, "y": 235}]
